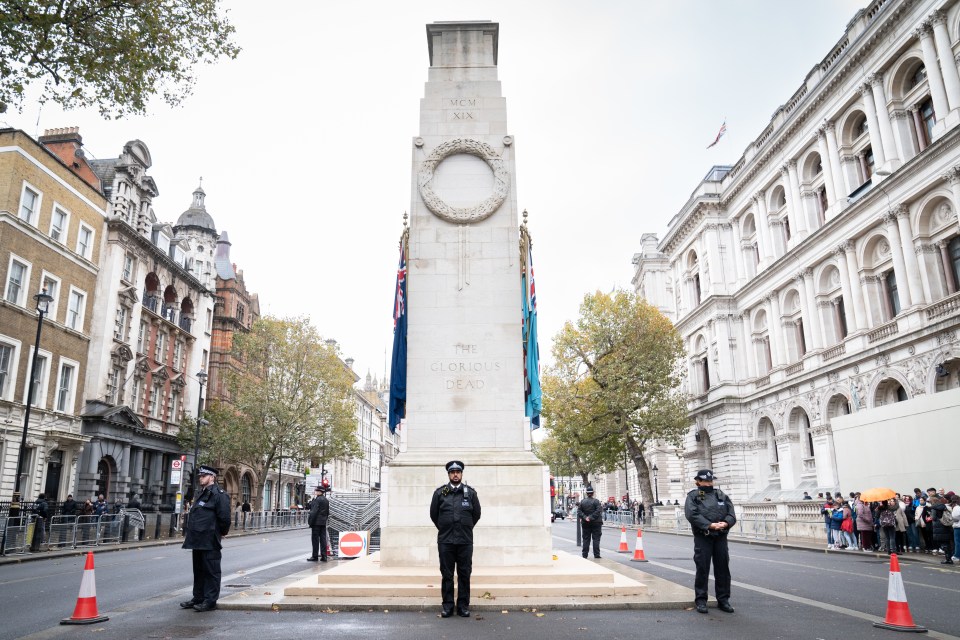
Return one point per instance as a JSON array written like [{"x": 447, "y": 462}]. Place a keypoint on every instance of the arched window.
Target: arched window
[
  {"x": 929, "y": 118},
  {"x": 918, "y": 77},
  {"x": 861, "y": 127},
  {"x": 245, "y": 488},
  {"x": 954, "y": 250},
  {"x": 893, "y": 298}
]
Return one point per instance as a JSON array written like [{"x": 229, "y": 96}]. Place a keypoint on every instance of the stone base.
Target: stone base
[
  {"x": 514, "y": 493},
  {"x": 566, "y": 576}
]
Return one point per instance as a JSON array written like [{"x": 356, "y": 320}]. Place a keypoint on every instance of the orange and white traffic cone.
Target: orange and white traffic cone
[
  {"x": 638, "y": 552},
  {"x": 86, "y": 610},
  {"x": 898, "y": 611},
  {"x": 623, "y": 541}
]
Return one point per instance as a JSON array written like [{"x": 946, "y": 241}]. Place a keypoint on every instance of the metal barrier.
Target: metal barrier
[
  {"x": 63, "y": 532},
  {"x": 17, "y": 538},
  {"x": 109, "y": 529},
  {"x": 86, "y": 531}
]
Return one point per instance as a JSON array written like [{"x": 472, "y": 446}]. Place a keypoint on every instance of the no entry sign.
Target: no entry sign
[{"x": 354, "y": 544}]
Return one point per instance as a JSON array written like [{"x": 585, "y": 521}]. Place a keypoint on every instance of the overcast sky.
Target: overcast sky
[{"x": 304, "y": 141}]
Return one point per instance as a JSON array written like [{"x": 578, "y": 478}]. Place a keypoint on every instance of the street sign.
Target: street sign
[
  {"x": 354, "y": 544},
  {"x": 176, "y": 464},
  {"x": 175, "y": 476},
  {"x": 179, "y": 507}
]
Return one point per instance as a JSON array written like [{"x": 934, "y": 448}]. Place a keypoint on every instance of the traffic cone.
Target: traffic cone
[
  {"x": 86, "y": 610},
  {"x": 638, "y": 552},
  {"x": 623, "y": 541},
  {"x": 898, "y": 612}
]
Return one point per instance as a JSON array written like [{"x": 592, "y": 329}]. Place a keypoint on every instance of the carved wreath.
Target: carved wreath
[{"x": 463, "y": 215}]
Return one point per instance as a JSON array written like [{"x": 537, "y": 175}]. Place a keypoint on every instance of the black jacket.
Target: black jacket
[
  {"x": 455, "y": 512},
  {"x": 706, "y": 505},
  {"x": 591, "y": 508},
  {"x": 70, "y": 507},
  {"x": 209, "y": 519},
  {"x": 319, "y": 512}
]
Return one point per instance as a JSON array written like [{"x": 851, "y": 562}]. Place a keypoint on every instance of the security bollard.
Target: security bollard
[
  {"x": 123, "y": 528},
  {"x": 156, "y": 530},
  {"x": 173, "y": 525}
]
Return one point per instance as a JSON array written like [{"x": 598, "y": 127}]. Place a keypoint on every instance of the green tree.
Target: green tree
[
  {"x": 293, "y": 400},
  {"x": 115, "y": 54},
  {"x": 616, "y": 383}
]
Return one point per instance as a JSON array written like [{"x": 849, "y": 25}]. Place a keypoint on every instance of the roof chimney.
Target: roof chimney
[{"x": 67, "y": 145}]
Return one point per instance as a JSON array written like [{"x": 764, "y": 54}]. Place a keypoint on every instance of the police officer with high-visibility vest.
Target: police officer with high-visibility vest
[{"x": 711, "y": 515}]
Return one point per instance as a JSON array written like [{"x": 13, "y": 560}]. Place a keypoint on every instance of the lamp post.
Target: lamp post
[
  {"x": 43, "y": 305},
  {"x": 656, "y": 487},
  {"x": 626, "y": 476},
  {"x": 202, "y": 379}
]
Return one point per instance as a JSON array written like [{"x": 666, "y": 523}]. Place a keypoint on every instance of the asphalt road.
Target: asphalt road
[{"x": 777, "y": 593}]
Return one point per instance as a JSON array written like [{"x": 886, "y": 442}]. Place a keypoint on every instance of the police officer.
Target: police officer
[
  {"x": 209, "y": 521},
  {"x": 711, "y": 516},
  {"x": 319, "y": 512},
  {"x": 591, "y": 520},
  {"x": 455, "y": 509}
]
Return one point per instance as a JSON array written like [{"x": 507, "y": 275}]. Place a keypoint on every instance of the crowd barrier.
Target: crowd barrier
[{"x": 130, "y": 525}]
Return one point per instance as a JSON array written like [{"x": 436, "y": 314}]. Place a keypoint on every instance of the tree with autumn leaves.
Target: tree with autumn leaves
[
  {"x": 293, "y": 398},
  {"x": 615, "y": 386}
]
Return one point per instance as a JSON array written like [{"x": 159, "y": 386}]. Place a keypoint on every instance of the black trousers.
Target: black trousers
[
  {"x": 705, "y": 549},
  {"x": 592, "y": 530},
  {"x": 461, "y": 557},
  {"x": 318, "y": 538},
  {"x": 206, "y": 575}
]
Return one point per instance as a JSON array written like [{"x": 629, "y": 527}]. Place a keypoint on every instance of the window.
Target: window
[
  {"x": 240, "y": 312},
  {"x": 141, "y": 337},
  {"x": 822, "y": 201},
  {"x": 696, "y": 289},
  {"x": 17, "y": 276},
  {"x": 29, "y": 204},
  {"x": 929, "y": 119},
  {"x": 58, "y": 224},
  {"x": 786, "y": 228},
  {"x": 65, "y": 387},
  {"x": 801, "y": 341},
  {"x": 113, "y": 385},
  {"x": 841, "y": 312},
  {"x": 6, "y": 368},
  {"x": 954, "y": 249},
  {"x": 39, "y": 379},
  {"x": 893, "y": 298},
  {"x": 129, "y": 268},
  {"x": 861, "y": 127},
  {"x": 919, "y": 77},
  {"x": 173, "y": 407},
  {"x": 51, "y": 284},
  {"x": 120, "y": 329},
  {"x": 75, "y": 309},
  {"x": 155, "y": 402},
  {"x": 137, "y": 397},
  {"x": 177, "y": 355},
  {"x": 85, "y": 241},
  {"x": 160, "y": 350}
]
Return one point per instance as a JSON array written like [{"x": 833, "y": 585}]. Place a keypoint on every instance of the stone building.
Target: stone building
[
  {"x": 150, "y": 335},
  {"x": 51, "y": 238},
  {"x": 815, "y": 280}
]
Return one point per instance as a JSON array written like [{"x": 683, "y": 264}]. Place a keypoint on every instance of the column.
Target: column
[
  {"x": 845, "y": 285},
  {"x": 811, "y": 209},
  {"x": 952, "y": 176},
  {"x": 715, "y": 259},
  {"x": 776, "y": 329},
  {"x": 948, "y": 67},
  {"x": 725, "y": 371},
  {"x": 856, "y": 289},
  {"x": 947, "y": 267},
  {"x": 736, "y": 254},
  {"x": 136, "y": 471},
  {"x": 804, "y": 313},
  {"x": 834, "y": 151},
  {"x": 899, "y": 267},
  {"x": 799, "y": 218},
  {"x": 934, "y": 77},
  {"x": 909, "y": 254},
  {"x": 902, "y": 121},
  {"x": 825, "y": 164},
  {"x": 812, "y": 318},
  {"x": 745, "y": 348},
  {"x": 918, "y": 128},
  {"x": 887, "y": 139},
  {"x": 763, "y": 228},
  {"x": 778, "y": 237},
  {"x": 873, "y": 125}
]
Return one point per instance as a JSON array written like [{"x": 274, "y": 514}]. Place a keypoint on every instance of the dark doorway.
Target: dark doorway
[{"x": 54, "y": 469}]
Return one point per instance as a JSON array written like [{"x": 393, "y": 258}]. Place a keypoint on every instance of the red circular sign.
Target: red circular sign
[{"x": 352, "y": 544}]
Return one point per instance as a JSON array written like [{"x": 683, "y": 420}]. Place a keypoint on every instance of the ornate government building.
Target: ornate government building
[{"x": 815, "y": 281}]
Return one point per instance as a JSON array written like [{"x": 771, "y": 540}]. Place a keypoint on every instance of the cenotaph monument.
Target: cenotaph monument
[{"x": 465, "y": 376}]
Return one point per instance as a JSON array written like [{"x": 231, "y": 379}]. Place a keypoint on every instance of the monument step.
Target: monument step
[
  {"x": 421, "y": 576},
  {"x": 479, "y": 591}
]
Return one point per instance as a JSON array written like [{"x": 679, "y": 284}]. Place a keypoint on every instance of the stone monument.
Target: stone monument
[{"x": 465, "y": 384}]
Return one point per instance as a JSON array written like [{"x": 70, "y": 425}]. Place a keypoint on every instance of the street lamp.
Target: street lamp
[
  {"x": 656, "y": 488},
  {"x": 43, "y": 305},
  {"x": 202, "y": 379}
]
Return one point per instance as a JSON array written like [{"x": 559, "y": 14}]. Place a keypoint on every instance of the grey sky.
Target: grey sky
[{"x": 304, "y": 141}]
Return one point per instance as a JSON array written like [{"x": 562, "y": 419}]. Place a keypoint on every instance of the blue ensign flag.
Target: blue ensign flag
[
  {"x": 533, "y": 396},
  {"x": 398, "y": 364}
]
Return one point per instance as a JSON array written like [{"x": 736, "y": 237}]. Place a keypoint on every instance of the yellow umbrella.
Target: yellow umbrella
[{"x": 878, "y": 494}]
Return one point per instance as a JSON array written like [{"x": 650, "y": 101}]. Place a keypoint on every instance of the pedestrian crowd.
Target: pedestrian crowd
[{"x": 918, "y": 522}]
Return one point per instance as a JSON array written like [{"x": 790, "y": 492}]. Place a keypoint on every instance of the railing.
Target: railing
[
  {"x": 809, "y": 465},
  {"x": 883, "y": 331},
  {"x": 943, "y": 307},
  {"x": 151, "y": 302},
  {"x": 185, "y": 323},
  {"x": 796, "y": 367},
  {"x": 833, "y": 352},
  {"x": 762, "y": 382}
]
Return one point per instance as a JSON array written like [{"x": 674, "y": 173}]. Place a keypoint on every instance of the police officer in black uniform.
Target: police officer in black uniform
[
  {"x": 711, "y": 516},
  {"x": 208, "y": 522},
  {"x": 319, "y": 512},
  {"x": 591, "y": 520},
  {"x": 455, "y": 509}
]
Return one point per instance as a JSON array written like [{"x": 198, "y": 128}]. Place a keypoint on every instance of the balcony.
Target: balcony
[
  {"x": 762, "y": 382},
  {"x": 796, "y": 367},
  {"x": 948, "y": 305},
  {"x": 809, "y": 466},
  {"x": 185, "y": 323},
  {"x": 151, "y": 302},
  {"x": 169, "y": 314},
  {"x": 833, "y": 352},
  {"x": 883, "y": 331}
]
